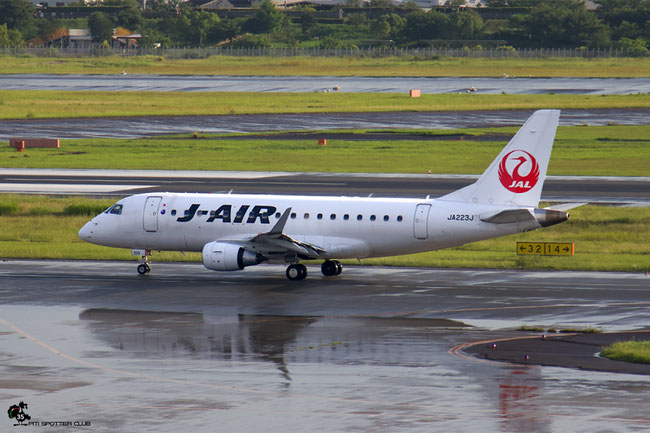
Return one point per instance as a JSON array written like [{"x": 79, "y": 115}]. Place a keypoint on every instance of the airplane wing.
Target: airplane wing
[{"x": 276, "y": 241}]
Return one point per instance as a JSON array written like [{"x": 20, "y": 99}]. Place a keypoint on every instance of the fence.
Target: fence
[{"x": 423, "y": 53}]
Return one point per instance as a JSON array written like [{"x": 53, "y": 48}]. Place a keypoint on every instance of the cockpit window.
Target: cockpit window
[
  {"x": 117, "y": 209},
  {"x": 109, "y": 209}
]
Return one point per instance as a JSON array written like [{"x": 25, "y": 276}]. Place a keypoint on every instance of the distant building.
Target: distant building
[
  {"x": 217, "y": 4},
  {"x": 66, "y": 38},
  {"x": 47, "y": 3},
  {"x": 81, "y": 38}
]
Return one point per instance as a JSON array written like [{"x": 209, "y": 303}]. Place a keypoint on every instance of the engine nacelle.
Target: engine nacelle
[{"x": 222, "y": 256}]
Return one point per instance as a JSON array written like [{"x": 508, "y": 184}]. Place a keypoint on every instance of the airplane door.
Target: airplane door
[
  {"x": 420, "y": 222},
  {"x": 150, "y": 218}
]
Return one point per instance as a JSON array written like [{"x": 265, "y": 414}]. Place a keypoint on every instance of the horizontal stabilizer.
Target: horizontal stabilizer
[
  {"x": 509, "y": 216},
  {"x": 565, "y": 206}
]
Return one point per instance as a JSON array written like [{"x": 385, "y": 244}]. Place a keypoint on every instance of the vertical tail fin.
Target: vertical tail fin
[{"x": 516, "y": 176}]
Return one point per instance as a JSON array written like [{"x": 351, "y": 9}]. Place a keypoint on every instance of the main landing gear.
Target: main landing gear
[
  {"x": 296, "y": 272},
  {"x": 144, "y": 267},
  {"x": 329, "y": 268}
]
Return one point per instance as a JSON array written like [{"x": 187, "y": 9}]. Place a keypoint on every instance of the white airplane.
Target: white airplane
[{"x": 238, "y": 230}]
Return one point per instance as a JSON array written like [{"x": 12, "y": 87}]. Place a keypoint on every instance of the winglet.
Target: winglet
[{"x": 278, "y": 228}]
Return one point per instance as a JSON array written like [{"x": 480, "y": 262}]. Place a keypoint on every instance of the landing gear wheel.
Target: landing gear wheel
[
  {"x": 296, "y": 272},
  {"x": 329, "y": 268},
  {"x": 339, "y": 267},
  {"x": 144, "y": 269}
]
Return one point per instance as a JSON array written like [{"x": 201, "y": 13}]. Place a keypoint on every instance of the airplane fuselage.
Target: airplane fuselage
[{"x": 345, "y": 227}]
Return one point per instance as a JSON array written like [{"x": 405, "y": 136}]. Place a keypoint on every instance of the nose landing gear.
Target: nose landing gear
[{"x": 144, "y": 267}]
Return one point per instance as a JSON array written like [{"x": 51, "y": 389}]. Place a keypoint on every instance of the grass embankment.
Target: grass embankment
[
  {"x": 606, "y": 238},
  {"x": 331, "y": 66},
  {"x": 21, "y": 104},
  {"x": 629, "y": 351},
  {"x": 562, "y": 330},
  {"x": 594, "y": 150}
]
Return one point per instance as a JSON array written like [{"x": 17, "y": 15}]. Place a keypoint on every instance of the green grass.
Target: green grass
[
  {"x": 21, "y": 104},
  {"x": 554, "y": 329},
  {"x": 588, "y": 330},
  {"x": 594, "y": 150},
  {"x": 606, "y": 238},
  {"x": 629, "y": 351},
  {"x": 330, "y": 66},
  {"x": 529, "y": 328}
]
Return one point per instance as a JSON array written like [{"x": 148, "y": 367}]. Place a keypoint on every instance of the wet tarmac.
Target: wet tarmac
[
  {"x": 566, "y": 349},
  {"x": 187, "y": 349},
  {"x": 180, "y": 83},
  {"x": 135, "y": 127}
]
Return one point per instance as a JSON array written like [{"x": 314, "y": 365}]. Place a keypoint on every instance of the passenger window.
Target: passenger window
[
  {"x": 306, "y": 216},
  {"x": 278, "y": 215},
  {"x": 359, "y": 217},
  {"x": 346, "y": 217},
  {"x": 204, "y": 212},
  {"x": 320, "y": 216},
  {"x": 293, "y": 215},
  {"x": 333, "y": 216},
  {"x": 173, "y": 212},
  {"x": 117, "y": 209},
  {"x": 399, "y": 218},
  {"x": 372, "y": 217},
  {"x": 386, "y": 218}
]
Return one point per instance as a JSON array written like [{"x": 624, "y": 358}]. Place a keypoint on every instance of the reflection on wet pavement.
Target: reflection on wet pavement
[
  {"x": 265, "y": 338},
  {"x": 190, "y": 350}
]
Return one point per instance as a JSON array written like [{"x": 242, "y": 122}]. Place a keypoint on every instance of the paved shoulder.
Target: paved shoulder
[{"x": 567, "y": 350}]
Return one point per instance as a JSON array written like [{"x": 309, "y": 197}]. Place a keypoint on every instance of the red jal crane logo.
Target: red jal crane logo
[{"x": 512, "y": 179}]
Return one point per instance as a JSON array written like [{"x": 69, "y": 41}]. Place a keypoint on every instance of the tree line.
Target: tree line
[{"x": 531, "y": 24}]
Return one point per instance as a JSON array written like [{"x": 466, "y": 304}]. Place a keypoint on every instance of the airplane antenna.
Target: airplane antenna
[{"x": 230, "y": 192}]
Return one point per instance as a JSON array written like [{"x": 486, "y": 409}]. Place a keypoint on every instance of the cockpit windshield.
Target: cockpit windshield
[{"x": 116, "y": 209}]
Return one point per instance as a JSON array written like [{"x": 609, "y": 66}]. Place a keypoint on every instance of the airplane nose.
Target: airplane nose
[{"x": 86, "y": 231}]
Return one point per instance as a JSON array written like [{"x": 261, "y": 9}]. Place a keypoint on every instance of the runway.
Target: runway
[
  {"x": 229, "y": 83},
  {"x": 146, "y": 126},
  {"x": 185, "y": 348},
  {"x": 593, "y": 189}
]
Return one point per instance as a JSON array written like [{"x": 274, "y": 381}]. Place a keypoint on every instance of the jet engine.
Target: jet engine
[{"x": 222, "y": 256}]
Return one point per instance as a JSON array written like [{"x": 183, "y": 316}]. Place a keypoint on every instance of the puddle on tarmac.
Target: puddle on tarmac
[{"x": 247, "y": 372}]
